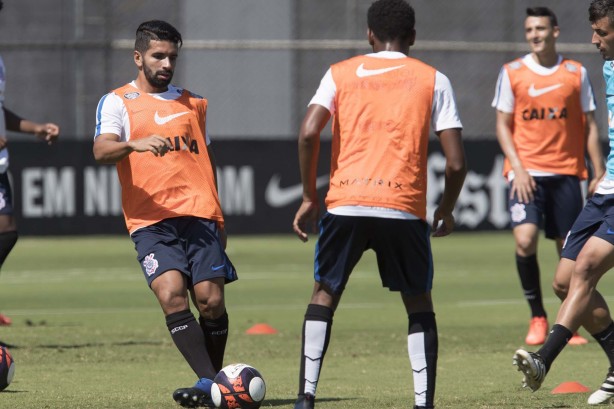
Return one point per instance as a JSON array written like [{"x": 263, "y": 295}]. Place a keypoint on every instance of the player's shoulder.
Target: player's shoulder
[
  {"x": 572, "y": 66},
  {"x": 180, "y": 90},
  {"x": 514, "y": 65}
]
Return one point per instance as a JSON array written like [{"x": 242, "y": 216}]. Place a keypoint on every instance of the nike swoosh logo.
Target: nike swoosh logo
[
  {"x": 606, "y": 337},
  {"x": 362, "y": 72},
  {"x": 215, "y": 268},
  {"x": 276, "y": 196},
  {"x": 533, "y": 92},
  {"x": 161, "y": 120},
  {"x": 610, "y": 231}
]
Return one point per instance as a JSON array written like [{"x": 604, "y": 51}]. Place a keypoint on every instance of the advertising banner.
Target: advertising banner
[{"x": 60, "y": 190}]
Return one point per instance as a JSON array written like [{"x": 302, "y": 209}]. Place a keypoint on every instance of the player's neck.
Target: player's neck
[
  {"x": 143, "y": 85},
  {"x": 546, "y": 59}
]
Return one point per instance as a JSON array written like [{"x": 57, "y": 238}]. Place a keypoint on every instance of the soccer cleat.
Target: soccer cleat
[
  {"x": 306, "y": 401},
  {"x": 577, "y": 339},
  {"x": 533, "y": 367},
  {"x": 198, "y": 396},
  {"x": 538, "y": 331},
  {"x": 4, "y": 320},
  {"x": 605, "y": 393}
]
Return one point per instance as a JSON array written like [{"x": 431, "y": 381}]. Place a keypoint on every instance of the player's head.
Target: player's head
[
  {"x": 541, "y": 29},
  {"x": 601, "y": 16},
  {"x": 392, "y": 20},
  {"x": 156, "y": 49}
]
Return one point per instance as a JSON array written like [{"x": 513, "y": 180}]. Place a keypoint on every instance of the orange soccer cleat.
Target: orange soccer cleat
[
  {"x": 4, "y": 320},
  {"x": 538, "y": 331},
  {"x": 577, "y": 339}
]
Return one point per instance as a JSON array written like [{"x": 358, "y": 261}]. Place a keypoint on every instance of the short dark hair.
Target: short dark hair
[
  {"x": 600, "y": 9},
  {"x": 391, "y": 20},
  {"x": 543, "y": 12},
  {"x": 155, "y": 30}
]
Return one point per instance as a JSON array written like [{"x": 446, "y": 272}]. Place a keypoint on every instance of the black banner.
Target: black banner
[{"x": 60, "y": 190}]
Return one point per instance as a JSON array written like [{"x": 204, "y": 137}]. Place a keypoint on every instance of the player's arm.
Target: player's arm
[
  {"x": 108, "y": 148},
  {"x": 309, "y": 149},
  {"x": 455, "y": 171},
  {"x": 523, "y": 184},
  {"x": 48, "y": 131},
  {"x": 593, "y": 149}
]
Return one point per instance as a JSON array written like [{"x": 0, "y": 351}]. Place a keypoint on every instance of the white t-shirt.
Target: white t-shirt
[
  {"x": 444, "y": 115},
  {"x": 112, "y": 116}
]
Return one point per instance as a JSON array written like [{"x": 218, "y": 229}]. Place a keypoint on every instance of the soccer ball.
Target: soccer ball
[
  {"x": 238, "y": 386},
  {"x": 7, "y": 368}
]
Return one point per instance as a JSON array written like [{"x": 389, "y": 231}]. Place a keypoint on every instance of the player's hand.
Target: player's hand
[
  {"x": 523, "y": 186},
  {"x": 306, "y": 218},
  {"x": 3, "y": 142},
  {"x": 223, "y": 237},
  {"x": 47, "y": 132},
  {"x": 155, "y": 144},
  {"x": 443, "y": 223},
  {"x": 592, "y": 186}
]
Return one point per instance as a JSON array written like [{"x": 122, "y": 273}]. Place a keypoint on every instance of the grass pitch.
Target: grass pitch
[{"x": 89, "y": 333}]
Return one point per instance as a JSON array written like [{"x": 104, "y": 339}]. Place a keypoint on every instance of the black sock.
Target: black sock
[
  {"x": 316, "y": 336},
  {"x": 557, "y": 340},
  {"x": 528, "y": 271},
  {"x": 216, "y": 335},
  {"x": 606, "y": 339},
  {"x": 7, "y": 242},
  {"x": 423, "y": 345},
  {"x": 190, "y": 341}
]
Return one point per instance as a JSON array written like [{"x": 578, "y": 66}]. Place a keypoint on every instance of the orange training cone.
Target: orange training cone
[
  {"x": 260, "y": 329},
  {"x": 570, "y": 387}
]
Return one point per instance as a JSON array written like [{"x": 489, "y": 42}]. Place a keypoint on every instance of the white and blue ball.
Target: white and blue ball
[{"x": 238, "y": 386}]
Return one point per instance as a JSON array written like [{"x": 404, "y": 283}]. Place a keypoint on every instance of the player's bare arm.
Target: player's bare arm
[
  {"x": 456, "y": 169},
  {"x": 48, "y": 131},
  {"x": 523, "y": 184},
  {"x": 109, "y": 149},
  {"x": 593, "y": 149},
  {"x": 309, "y": 149}
]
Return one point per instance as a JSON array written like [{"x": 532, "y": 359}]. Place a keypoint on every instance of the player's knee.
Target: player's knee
[
  {"x": 211, "y": 306},
  {"x": 560, "y": 289}
]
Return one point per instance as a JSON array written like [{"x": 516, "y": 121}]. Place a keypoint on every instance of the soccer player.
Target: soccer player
[
  {"x": 383, "y": 105},
  {"x": 156, "y": 134},
  {"x": 9, "y": 120},
  {"x": 545, "y": 124},
  {"x": 589, "y": 249}
]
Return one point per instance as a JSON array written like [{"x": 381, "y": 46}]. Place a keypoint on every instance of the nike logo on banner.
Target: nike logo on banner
[
  {"x": 533, "y": 92},
  {"x": 362, "y": 72},
  {"x": 161, "y": 120},
  {"x": 276, "y": 196}
]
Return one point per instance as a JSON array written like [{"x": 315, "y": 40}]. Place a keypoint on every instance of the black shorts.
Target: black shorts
[
  {"x": 189, "y": 244},
  {"x": 402, "y": 248},
  {"x": 596, "y": 219},
  {"x": 558, "y": 201},
  {"x": 6, "y": 194}
]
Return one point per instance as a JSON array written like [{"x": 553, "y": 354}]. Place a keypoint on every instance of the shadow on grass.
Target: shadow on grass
[
  {"x": 97, "y": 345},
  {"x": 282, "y": 402}
]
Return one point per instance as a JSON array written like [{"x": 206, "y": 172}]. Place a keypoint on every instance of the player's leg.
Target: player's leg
[
  {"x": 423, "y": 346},
  {"x": 526, "y": 236},
  {"x": 339, "y": 247},
  {"x": 563, "y": 205},
  {"x": 8, "y": 227}
]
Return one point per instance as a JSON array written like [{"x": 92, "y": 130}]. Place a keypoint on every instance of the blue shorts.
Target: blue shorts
[
  {"x": 596, "y": 219},
  {"x": 189, "y": 244},
  {"x": 6, "y": 194},
  {"x": 558, "y": 201},
  {"x": 402, "y": 248}
]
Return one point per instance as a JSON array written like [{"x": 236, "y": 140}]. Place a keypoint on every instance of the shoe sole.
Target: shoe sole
[{"x": 523, "y": 361}]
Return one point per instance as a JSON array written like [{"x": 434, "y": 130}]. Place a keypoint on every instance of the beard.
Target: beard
[{"x": 154, "y": 81}]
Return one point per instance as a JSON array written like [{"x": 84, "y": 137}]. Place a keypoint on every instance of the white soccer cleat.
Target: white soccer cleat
[
  {"x": 605, "y": 393},
  {"x": 533, "y": 368}
]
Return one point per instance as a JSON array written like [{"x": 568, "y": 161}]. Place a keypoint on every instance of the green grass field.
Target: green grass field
[{"x": 90, "y": 335}]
